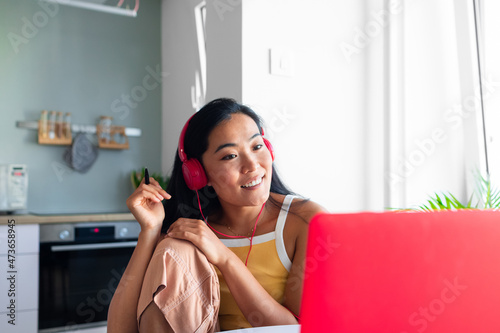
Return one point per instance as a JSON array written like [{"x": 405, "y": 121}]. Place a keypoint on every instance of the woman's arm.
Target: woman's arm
[
  {"x": 122, "y": 315},
  {"x": 145, "y": 204},
  {"x": 258, "y": 307},
  {"x": 293, "y": 290}
]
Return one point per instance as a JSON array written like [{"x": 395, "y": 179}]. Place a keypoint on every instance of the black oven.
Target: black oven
[{"x": 80, "y": 267}]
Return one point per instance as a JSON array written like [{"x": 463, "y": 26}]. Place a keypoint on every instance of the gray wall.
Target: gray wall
[
  {"x": 224, "y": 50},
  {"x": 180, "y": 59},
  {"x": 83, "y": 62}
]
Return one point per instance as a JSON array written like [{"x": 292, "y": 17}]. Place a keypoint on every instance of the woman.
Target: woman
[{"x": 257, "y": 249}]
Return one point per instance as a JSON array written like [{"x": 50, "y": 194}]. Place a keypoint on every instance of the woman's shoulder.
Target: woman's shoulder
[
  {"x": 301, "y": 208},
  {"x": 306, "y": 208},
  {"x": 299, "y": 215}
]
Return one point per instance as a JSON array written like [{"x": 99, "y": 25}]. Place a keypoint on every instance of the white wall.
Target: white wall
[
  {"x": 315, "y": 116},
  {"x": 371, "y": 114}
]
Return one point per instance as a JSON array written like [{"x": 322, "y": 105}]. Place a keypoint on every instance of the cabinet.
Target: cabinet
[{"x": 19, "y": 283}]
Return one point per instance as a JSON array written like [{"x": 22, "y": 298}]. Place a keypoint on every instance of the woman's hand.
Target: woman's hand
[
  {"x": 146, "y": 205},
  {"x": 198, "y": 233}
]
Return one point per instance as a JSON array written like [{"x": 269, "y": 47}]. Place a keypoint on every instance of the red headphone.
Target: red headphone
[{"x": 193, "y": 172}]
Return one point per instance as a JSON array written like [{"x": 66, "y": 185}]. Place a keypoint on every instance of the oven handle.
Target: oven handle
[{"x": 98, "y": 246}]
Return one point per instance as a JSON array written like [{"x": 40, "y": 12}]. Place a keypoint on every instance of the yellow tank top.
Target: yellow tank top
[{"x": 269, "y": 264}]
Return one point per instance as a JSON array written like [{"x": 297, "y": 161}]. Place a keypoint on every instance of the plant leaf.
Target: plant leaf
[{"x": 432, "y": 204}]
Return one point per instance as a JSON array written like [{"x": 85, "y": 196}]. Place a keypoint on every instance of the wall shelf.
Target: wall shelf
[{"x": 90, "y": 129}]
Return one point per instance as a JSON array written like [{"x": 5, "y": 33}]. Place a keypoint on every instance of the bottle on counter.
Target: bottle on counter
[
  {"x": 43, "y": 123},
  {"x": 52, "y": 125},
  {"x": 67, "y": 125}
]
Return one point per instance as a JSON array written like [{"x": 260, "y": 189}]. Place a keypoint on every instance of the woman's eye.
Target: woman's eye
[
  {"x": 257, "y": 147},
  {"x": 229, "y": 157}
]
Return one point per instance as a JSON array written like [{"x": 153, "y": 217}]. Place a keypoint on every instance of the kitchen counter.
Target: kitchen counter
[{"x": 41, "y": 219}]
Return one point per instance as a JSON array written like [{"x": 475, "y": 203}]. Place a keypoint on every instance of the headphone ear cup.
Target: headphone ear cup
[
  {"x": 269, "y": 147},
  {"x": 194, "y": 174}
]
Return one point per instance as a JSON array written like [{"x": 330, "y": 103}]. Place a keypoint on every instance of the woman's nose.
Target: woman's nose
[{"x": 250, "y": 163}]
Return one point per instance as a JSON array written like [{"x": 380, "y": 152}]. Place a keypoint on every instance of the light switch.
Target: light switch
[{"x": 281, "y": 62}]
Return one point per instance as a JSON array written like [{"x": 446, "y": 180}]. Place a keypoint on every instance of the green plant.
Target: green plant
[
  {"x": 488, "y": 198},
  {"x": 137, "y": 176}
]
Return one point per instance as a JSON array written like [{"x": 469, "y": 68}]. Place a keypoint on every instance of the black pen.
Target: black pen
[{"x": 146, "y": 176}]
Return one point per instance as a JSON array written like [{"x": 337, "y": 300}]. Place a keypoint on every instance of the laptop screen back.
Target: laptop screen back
[{"x": 403, "y": 273}]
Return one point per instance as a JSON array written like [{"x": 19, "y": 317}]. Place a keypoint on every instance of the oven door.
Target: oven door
[{"x": 77, "y": 282}]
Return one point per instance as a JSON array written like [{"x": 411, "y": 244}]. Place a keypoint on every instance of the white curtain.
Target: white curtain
[{"x": 437, "y": 123}]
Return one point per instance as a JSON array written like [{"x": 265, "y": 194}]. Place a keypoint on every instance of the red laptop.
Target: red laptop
[{"x": 403, "y": 273}]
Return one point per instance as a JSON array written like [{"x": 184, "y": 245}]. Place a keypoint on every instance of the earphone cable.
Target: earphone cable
[
  {"x": 220, "y": 233},
  {"x": 204, "y": 219}
]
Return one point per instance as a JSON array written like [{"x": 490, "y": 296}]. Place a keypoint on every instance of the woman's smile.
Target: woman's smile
[{"x": 253, "y": 183}]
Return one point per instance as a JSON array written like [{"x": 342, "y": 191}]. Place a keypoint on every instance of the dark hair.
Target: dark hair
[{"x": 184, "y": 202}]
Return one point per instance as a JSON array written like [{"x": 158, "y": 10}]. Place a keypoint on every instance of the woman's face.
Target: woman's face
[{"x": 237, "y": 162}]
